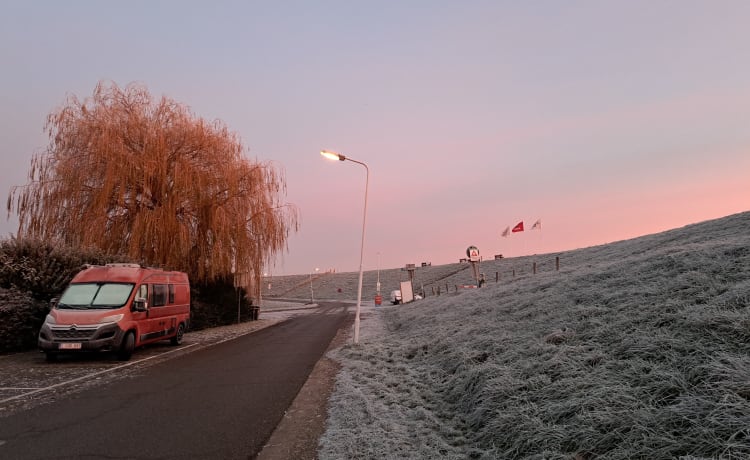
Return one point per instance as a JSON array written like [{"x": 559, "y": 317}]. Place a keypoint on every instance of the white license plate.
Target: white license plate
[{"x": 70, "y": 346}]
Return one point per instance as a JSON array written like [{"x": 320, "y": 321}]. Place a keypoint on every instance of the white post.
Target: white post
[
  {"x": 361, "y": 253},
  {"x": 377, "y": 286}
]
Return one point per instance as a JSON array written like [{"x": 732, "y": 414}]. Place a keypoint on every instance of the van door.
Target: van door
[
  {"x": 141, "y": 318},
  {"x": 160, "y": 323}
]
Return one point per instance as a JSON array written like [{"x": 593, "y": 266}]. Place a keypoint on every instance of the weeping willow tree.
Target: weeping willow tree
[{"x": 129, "y": 175}]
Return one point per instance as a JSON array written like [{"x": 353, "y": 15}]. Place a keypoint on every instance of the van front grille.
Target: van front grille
[{"x": 73, "y": 333}]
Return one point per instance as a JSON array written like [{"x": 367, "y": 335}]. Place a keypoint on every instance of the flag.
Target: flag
[
  {"x": 537, "y": 225},
  {"x": 506, "y": 232},
  {"x": 518, "y": 227}
]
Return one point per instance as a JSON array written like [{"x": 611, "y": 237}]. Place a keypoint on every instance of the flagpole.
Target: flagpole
[
  {"x": 538, "y": 226},
  {"x": 519, "y": 229},
  {"x": 505, "y": 233}
]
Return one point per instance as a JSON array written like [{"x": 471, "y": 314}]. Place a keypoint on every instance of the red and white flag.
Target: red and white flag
[
  {"x": 506, "y": 232},
  {"x": 537, "y": 225},
  {"x": 518, "y": 227}
]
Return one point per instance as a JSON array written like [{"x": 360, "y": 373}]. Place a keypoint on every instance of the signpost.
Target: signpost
[{"x": 473, "y": 254}]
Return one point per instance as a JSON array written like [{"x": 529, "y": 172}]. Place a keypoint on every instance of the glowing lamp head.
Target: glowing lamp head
[{"x": 332, "y": 155}]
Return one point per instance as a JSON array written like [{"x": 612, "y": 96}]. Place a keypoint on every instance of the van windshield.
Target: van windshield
[{"x": 95, "y": 295}]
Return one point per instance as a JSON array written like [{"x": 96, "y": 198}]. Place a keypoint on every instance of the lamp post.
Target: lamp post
[
  {"x": 337, "y": 156},
  {"x": 312, "y": 300}
]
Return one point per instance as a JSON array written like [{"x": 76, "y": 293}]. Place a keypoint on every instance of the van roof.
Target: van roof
[{"x": 127, "y": 273}]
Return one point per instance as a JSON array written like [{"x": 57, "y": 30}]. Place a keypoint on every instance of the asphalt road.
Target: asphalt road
[{"x": 221, "y": 402}]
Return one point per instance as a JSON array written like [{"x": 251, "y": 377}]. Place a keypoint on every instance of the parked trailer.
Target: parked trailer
[{"x": 118, "y": 308}]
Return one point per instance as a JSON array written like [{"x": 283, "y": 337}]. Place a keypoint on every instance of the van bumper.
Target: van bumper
[{"x": 72, "y": 338}]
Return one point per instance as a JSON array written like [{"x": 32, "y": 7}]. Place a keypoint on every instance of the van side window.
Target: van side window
[
  {"x": 143, "y": 292},
  {"x": 171, "y": 293},
  {"x": 160, "y": 294}
]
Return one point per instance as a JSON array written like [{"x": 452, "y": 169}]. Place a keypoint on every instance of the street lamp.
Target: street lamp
[
  {"x": 337, "y": 156},
  {"x": 312, "y": 300}
]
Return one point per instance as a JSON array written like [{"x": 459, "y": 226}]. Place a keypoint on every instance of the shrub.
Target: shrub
[
  {"x": 215, "y": 304},
  {"x": 21, "y": 316},
  {"x": 41, "y": 269}
]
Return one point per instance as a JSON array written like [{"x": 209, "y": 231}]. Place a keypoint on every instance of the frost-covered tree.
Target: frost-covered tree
[{"x": 148, "y": 179}]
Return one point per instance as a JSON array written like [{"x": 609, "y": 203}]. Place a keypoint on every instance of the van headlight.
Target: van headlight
[
  {"x": 50, "y": 320},
  {"x": 111, "y": 319}
]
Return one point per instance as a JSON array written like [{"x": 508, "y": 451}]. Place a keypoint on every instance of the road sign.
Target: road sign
[{"x": 472, "y": 253}]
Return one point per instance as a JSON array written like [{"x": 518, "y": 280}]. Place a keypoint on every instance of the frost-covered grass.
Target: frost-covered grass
[{"x": 637, "y": 349}]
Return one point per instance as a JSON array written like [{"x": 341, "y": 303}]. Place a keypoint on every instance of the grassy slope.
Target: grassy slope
[{"x": 637, "y": 349}]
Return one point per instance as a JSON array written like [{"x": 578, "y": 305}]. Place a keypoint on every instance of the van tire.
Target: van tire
[
  {"x": 127, "y": 347},
  {"x": 177, "y": 339}
]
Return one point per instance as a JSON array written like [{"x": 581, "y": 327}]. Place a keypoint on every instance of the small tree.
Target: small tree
[{"x": 149, "y": 180}]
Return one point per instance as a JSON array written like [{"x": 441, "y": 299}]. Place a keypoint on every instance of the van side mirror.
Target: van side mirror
[
  {"x": 53, "y": 302},
  {"x": 140, "y": 304}
]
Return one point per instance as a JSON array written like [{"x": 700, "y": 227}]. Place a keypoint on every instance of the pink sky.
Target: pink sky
[{"x": 607, "y": 120}]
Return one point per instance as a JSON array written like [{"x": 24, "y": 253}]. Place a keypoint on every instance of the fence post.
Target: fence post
[
  {"x": 557, "y": 263},
  {"x": 497, "y": 277},
  {"x": 535, "y": 268}
]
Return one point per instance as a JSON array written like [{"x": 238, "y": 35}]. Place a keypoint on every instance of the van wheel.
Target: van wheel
[
  {"x": 177, "y": 339},
  {"x": 127, "y": 347}
]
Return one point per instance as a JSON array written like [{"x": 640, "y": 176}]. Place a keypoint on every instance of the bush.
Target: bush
[
  {"x": 21, "y": 317},
  {"x": 215, "y": 304},
  {"x": 41, "y": 269}
]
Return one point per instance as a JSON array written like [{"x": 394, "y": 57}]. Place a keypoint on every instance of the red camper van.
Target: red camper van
[{"x": 117, "y": 307}]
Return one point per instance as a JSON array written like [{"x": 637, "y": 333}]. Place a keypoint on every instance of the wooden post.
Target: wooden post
[
  {"x": 475, "y": 271},
  {"x": 535, "y": 268},
  {"x": 446, "y": 288},
  {"x": 557, "y": 263},
  {"x": 514, "y": 273},
  {"x": 497, "y": 277}
]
